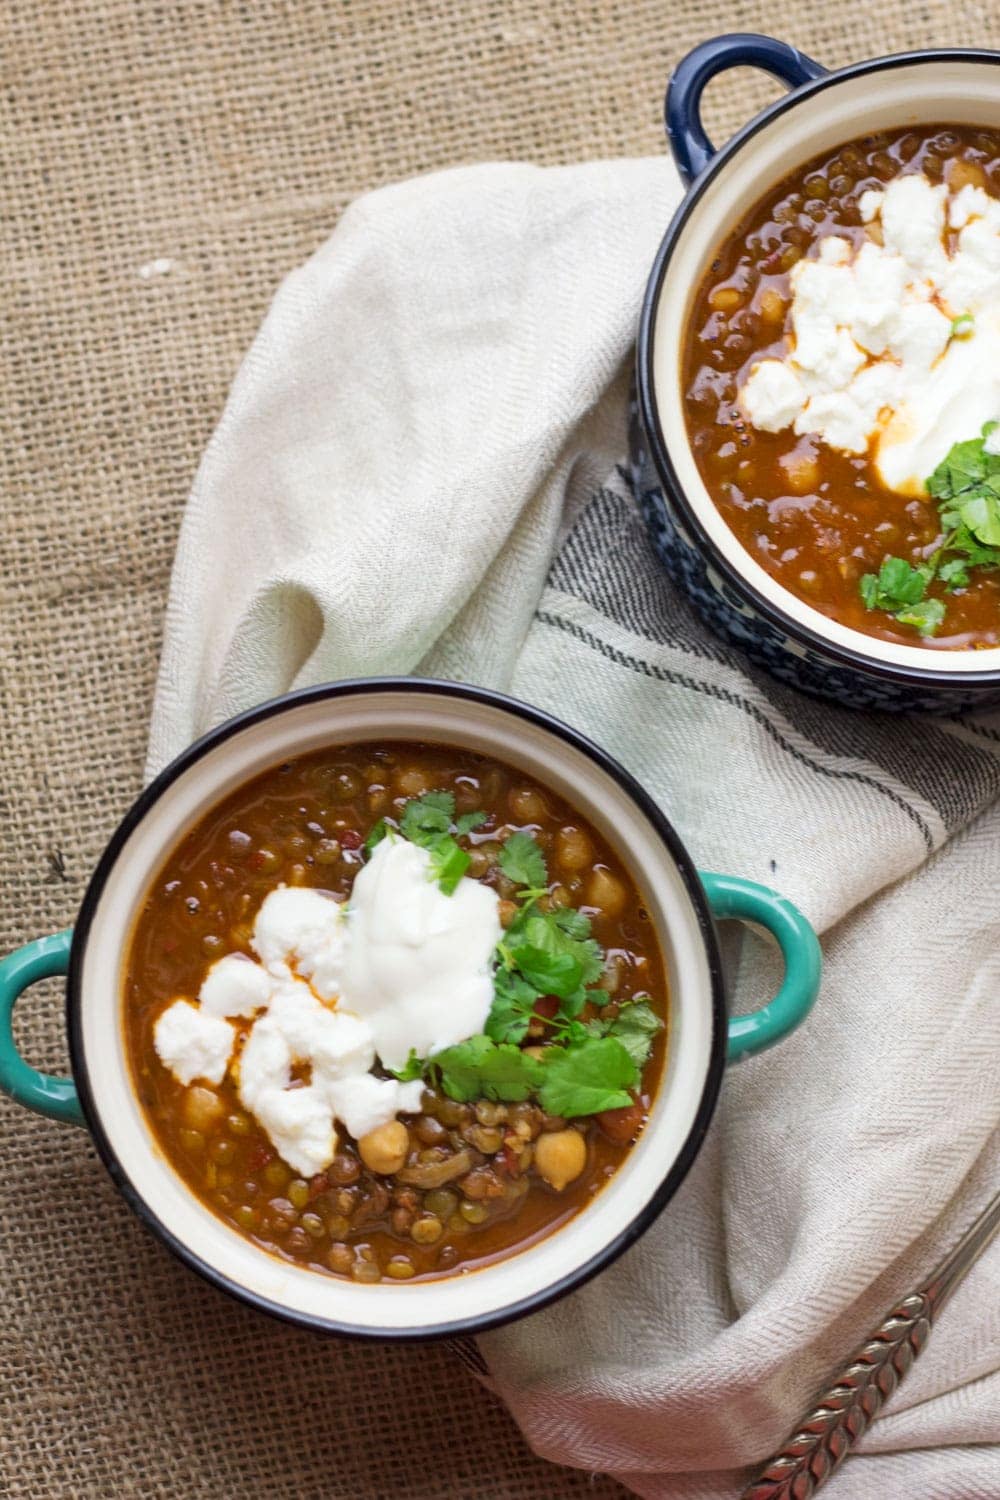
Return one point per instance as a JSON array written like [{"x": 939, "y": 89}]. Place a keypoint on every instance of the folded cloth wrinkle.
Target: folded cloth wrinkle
[{"x": 422, "y": 467}]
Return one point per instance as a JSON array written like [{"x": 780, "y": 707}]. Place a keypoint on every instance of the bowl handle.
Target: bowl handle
[
  {"x": 729, "y": 896},
  {"x": 54, "y": 1097},
  {"x": 691, "y": 147}
]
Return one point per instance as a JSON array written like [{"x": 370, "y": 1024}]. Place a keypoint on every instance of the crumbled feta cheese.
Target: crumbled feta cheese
[
  {"x": 876, "y": 351},
  {"x": 235, "y": 986},
  {"x": 192, "y": 1043},
  {"x": 922, "y": 331},
  {"x": 772, "y": 396},
  {"x": 301, "y": 929},
  {"x": 404, "y": 968},
  {"x": 363, "y": 1102},
  {"x": 913, "y": 220},
  {"x": 992, "y": 441},
  {"x": 300, "y": 1124}
]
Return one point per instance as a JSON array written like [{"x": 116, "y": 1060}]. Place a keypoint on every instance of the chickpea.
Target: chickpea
[
  {"x": 607, "y": 892},
  {"x": 202, "y": 1108},
  {"x": 340, "y": 1259},
  {"x": 801, "y": 473},
  {"x": 411, "y": 781},
  {"x": 366, "y": 1271},
  {"x": 384, "y": 1149},
  {"x": 725, "y": 298},
  {"x": 574, "y": 851},
  {"x": 527, "y": 805},
  {"x": 772, "y": 306},
  {"x": 960, "y": 174},
  {"x": 507, "y": 911},
  {"x": 560, "y": 1157}
]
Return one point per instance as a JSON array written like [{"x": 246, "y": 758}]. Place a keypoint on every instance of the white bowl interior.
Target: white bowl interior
[
  {"x": 383, "y": 715},
  {"x": 920, "y": 93}
]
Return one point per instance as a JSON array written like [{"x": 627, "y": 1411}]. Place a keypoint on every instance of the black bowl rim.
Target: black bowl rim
[
  {"x": 812, "y": 640},
  {"x": 676, "y": 851}
]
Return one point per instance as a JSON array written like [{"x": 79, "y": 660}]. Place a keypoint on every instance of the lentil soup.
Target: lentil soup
[
  {"x": 840, "y": 415},
  {"x": 476, "y": 1163}
]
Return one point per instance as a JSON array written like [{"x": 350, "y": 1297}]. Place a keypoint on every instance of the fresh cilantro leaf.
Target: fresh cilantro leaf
[
  {"x": 552, "y": 960},
  {"x": 523, "y": 862},
  {"x": 587, "y": 1077},
  {"x": 427, "y": 822},
  {"x": 981, "y": 514},
  {"x": 509, "y": 1074},
  {"x": 513, "y": 1007},
  {"x": 480, "y": 1069},
  {"x": 426, "y": 818},
  {"x": 900, "y": 589},
  {"x": 449, "y": 863},
  {"x": 963, "y": 468},
  {"x": 575, "y": 924},
  {"x": 458, "y": 1067},
  {"x": 546, "y": 956},
  {"x": 378, "y": 833},
  {"x": 592, "y": 958},
  {"x": 896, "y": 584},
  {"x": 572, "y": 1005},
  {"x": 925, "y": 616},
  {"x": 551, "y": 973},
  {"x": 973, "y": 553},
  {"x": 955, "y": 573},
  {"x": 468, "y": 821},
  {"x": 635, "y": 1026},
  {"x": 413, "y": 1068},
  {"x": 966, "y": 484}
]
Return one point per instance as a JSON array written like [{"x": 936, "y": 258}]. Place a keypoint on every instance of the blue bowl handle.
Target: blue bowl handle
[{"x": 691, "y": 147}]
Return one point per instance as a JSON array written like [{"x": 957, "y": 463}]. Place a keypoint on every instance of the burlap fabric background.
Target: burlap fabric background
[{"x": 162, "y": 167}]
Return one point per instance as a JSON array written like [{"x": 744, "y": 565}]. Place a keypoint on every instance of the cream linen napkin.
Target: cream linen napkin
[{"x": 420, "y": 469}]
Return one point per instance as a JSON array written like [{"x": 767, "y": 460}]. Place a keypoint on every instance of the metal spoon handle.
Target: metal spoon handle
[{"x": 852, "y": 1401}]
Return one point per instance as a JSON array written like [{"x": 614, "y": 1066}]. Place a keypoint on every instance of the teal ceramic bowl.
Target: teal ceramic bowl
[{"x": 682, "y": 904}]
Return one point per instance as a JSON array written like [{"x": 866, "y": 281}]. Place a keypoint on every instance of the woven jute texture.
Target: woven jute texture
[{"x": 162, "y": 166}]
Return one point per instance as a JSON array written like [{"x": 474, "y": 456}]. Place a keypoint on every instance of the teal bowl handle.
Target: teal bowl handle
[
  {"x": 54, "y": 1097},
  {"x": 729, "y": 896}
]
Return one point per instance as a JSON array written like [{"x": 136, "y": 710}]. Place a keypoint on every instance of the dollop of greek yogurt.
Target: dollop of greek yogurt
[
  {"x": 418, "y": 961},
  {"x": 400, "y": 968},
  {"x": 894, "y": 346}
]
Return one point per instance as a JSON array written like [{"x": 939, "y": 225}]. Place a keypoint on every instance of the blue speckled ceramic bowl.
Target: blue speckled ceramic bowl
[{"x": 734, "y": 594}]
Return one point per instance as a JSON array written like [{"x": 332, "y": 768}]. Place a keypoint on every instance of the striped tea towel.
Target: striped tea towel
[{"x": 420, "y": 469}]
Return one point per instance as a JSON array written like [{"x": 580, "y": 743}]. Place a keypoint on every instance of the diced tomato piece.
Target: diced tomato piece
[
  {"x": 318, "y": 1184},
  {"x": 622, "y": 1125},
  {"x": 546, "y": 1006},
  {"x": 350, "y": 839},
  {"x": 259, "y": 1157},
  {"x": 508, "y": 1162}
]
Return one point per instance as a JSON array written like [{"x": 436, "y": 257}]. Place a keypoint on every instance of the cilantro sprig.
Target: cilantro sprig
[
  {"x": 581, "y": 1078},
  {"x": 966, "y": 486},
  {"x": 430, "y": 822}
]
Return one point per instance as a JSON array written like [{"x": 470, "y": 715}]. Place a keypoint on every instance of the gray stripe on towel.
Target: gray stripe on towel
[{"x": 607, "y": 560}]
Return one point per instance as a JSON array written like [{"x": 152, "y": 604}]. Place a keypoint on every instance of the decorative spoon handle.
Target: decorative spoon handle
[{"x": 845, "y": 1410}]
